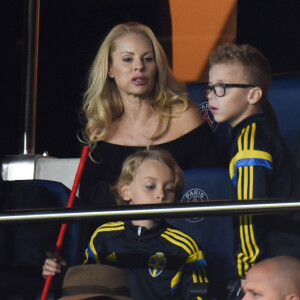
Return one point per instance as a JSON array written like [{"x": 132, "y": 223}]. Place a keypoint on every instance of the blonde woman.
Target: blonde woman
[{"x": 134, "y": 102}]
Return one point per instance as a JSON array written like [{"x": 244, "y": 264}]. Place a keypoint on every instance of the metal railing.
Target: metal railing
[{"x": 139, "y": 212}]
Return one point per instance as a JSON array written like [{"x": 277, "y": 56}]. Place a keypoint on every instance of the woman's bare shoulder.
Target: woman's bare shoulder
[{"x": 189, "y": 119}]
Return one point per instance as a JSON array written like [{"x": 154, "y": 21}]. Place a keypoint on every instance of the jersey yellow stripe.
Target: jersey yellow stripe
[
  {"x": 204, "y": 275},
  {"x": 240, "y": 194},
  {"x": 86, "y": 256},
  {"x": 253, "y": 242},
  {"x": 243, "y": 256},
  {"x": 245, "y": 169},
  {"x": 245, "y": 190},
  {"x": 248, "y": 154},
  {"x": 182, "y": 245},
  {"x": 252, "y": 139},
  {"x": 240, "y": 148},
  {"x": 239, "y": 187},
  {"x": 239, "y": 265},
  {"x": 247, "y": 236},
  {"x": 195, "y": 257},
  {"x": 186, "y": 236},
  {"x": 189, "y": 240},
  {"x": 201, "y": 278},
  {"x": 110, "y": 229},
  {"x": 112, "y": 226},
  {"x": 182, "y": 239},
  {"x": 176, "y": 278},
  {"x": 95, "y": 252},
  {"x": 251, "y": 187},
  {"x": 246, "y": 137},
  {"x": 195, "y": 278},
  {"x": 252, "y": 154},
  {"x": 251, "y": 182}
]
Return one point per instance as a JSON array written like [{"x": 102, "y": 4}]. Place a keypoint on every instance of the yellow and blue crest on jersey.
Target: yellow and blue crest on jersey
[{"x": 157, "y": 263}]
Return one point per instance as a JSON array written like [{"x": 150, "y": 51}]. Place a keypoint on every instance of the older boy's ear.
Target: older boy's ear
[
  {"x": 255, "y": 95},
  {"x": 124, "y": 191}
]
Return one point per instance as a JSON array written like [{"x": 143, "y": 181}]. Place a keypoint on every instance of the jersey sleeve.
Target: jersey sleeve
[
  {"x": 250, "y": 172},
  {"x": 93, "y": 250},
  {"x": 97, "y": 246},
  {"x": 194, "y": 276},
  {"x": 192, "y": 273}
]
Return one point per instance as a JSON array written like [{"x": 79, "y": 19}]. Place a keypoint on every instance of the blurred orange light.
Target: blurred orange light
[{"x": 197, "y": 27}]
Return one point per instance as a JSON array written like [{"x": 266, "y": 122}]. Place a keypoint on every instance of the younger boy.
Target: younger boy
[
  {"x": 162, "y": 262},
  {"x": 260, "y": 164}
]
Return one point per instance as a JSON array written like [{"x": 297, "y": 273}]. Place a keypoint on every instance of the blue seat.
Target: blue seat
[
  {"x": 214, "y": 234},
  {"x": 72, "y": 246},
  {"x": 284, "y": 96}
]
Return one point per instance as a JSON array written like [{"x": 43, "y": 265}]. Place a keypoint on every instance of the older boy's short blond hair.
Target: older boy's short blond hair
[
  {"x": 258, "y": 69},
  {"x": 132, "y": 163}
]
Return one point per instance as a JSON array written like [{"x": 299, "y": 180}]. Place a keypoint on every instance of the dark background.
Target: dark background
[{"x": 70, "y": 34}]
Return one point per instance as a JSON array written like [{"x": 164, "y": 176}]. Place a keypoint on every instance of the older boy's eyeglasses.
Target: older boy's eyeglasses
[{"x": 219, "y": 89}]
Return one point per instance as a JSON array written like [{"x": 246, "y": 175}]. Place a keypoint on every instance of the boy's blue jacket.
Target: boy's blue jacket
[{"x": 162, "y": 262}]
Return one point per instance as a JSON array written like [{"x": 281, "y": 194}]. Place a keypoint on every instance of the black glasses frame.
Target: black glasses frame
[{"x": 224, "y": 86}]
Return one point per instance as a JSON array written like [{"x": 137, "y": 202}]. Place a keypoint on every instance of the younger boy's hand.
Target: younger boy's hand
[{"x": 53, "y": 265}]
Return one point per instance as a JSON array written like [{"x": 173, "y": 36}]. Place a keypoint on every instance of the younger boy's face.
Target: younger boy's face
[
  {"x": 154, "y": 183},
  {"x": 233, "y": 107}
]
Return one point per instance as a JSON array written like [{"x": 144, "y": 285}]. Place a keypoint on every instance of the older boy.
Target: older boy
[{"x": 260, "y": 163}]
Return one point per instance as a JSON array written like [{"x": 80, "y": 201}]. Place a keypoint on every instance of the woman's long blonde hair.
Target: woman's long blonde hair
[{"x": 102, "y": 101}]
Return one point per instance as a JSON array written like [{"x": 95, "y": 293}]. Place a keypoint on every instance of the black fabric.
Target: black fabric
[
  {"x": 196, "y": 149},
  {"x": 23, "y": 246}
]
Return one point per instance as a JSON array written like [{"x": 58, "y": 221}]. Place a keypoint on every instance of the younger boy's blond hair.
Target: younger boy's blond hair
[{"x": 132, "y": 163}]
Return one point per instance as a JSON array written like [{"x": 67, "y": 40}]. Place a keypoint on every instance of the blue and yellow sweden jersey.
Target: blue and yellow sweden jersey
[
  {"x": 260, "y": 167},
  {"x": 162, "y": 262}
]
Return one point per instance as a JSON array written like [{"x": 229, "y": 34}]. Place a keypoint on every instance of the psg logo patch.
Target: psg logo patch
[
  {"x": 157, "y": 263},
  {"x": 194, "y": 195},
  {"x": 208, "y": 116}
]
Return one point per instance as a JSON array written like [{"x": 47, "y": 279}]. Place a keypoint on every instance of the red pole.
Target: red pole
[{"x": 63, "y": 228}]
